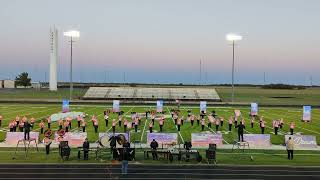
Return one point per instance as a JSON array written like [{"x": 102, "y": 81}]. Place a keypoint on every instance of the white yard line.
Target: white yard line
[
  {"x": 176, "y": 127},
  {"x": 145, "y": 126}
]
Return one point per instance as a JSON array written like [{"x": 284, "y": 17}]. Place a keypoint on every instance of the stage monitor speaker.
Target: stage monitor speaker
[{"x": 212, "y": 147}]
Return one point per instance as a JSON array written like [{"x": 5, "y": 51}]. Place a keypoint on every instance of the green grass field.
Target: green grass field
[
  {"x": 309, "y": 96},
  {"x": 22, "y": 93},
  {"x": 39, "y": 111}
]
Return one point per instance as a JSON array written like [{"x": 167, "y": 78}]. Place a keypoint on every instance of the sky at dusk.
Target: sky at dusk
[{"x": 162, "y": 41}]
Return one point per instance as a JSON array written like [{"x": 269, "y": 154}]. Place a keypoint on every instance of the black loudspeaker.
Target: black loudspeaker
[
  {"x": 212, "y": 147},
  {"x": 63, "y": 144},
  {"x": 170, "y": 157},
  {"x": 199, "y": 158},
  {"x": 211, "y": 155}
]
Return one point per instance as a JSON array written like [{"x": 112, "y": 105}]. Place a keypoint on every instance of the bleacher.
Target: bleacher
[{"x": 145, "y": 94}]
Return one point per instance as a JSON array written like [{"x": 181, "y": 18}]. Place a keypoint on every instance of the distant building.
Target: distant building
[
  {"x": 36, "y": 85},
  {"x": 7, "y": 84}
]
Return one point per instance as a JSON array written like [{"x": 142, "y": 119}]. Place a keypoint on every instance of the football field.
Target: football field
[{"x": 41, "y": 111}]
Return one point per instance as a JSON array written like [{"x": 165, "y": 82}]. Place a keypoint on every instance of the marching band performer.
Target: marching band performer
[
  {"x": 47, "y": 141},
  {"x": 292, "y": 126},
  {"x": 179, "y": 123},
  {"x": 66, "y": 125},
  {"x": 221, "y": 121},
  {"x": 211, "y": 121},
  {"x": 175, "y": 117},
  {"x": 202, "y": 124},
  {"x": 32, "y": 122},
  {"x": 150, "y": 126},
  {"x": 139, "y": 119},
  {"x": 49, "y": 122},
  {"x": 125, "y": 125},
  {"x": 95, "y": 124},
  {"x": 136, "y": 123},
  {"x": 281, "y": 123},
  {"x": 262, "y": 125},
  {"x": 202, "y": 113},
  {"x": 41, "y": 125},
  {"x": 120, "y": 120},
  {"x": 79, "y": 120},
  {"x": 92, "y": 118},
  {"x": 0, "y": 120},
  {"x": 192, "y": 119},
  {"x": 275, "y": 126},
  {"x": 161, "y": 124},
  {"x": 235, "y": 121},
  {"x": 113, "y": 126},
  {"x": 15, "y": 125},
  {"x": 21, "y": 125},
  {"x": 106, "y": 118},
  {"x": 83, "y": 125},
  {"x": 11, "y": 125},
  {"x": 17, "y": 122},
  {"x": 217, "y": 122},
  {"x": 24, "y": 119},
  {"x": 60, "y": 123},
  {"x": 230, "y": 122},
  {"x": 252, "y": 121},
  {"x": 152, "y": 118}
]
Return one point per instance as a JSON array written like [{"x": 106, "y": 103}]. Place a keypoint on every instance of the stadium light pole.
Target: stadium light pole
[
  {"x": 72, "y": 34},
  {"x": 233, "y": 38}
]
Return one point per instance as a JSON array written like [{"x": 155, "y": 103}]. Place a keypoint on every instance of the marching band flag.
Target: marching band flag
[
  {"x": 306, "y": 113},
  {"x": 159, "y": 105},
  {"x": 254, "y": 109},
  {"x": 116, "y": 106},
  {"x": 203, "y": 106},
  {"x": 65, "y": 105}
]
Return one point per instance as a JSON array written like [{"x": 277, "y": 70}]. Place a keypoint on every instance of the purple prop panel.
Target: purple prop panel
[
  {"x": 163, "y": 138},
  {"x": 204, "y": 139},
  {"x": 257, "y": 140},
  {"x": 74, "y": 139},
  {"x": 303, "y": 141},
  {"x": 12, "y": 138}
]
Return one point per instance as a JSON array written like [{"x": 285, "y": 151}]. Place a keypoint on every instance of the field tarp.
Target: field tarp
[{"x": 73, "y": 115}]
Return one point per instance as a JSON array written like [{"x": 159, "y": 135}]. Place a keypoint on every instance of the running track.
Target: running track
[{"x": 165, "y": 171}]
